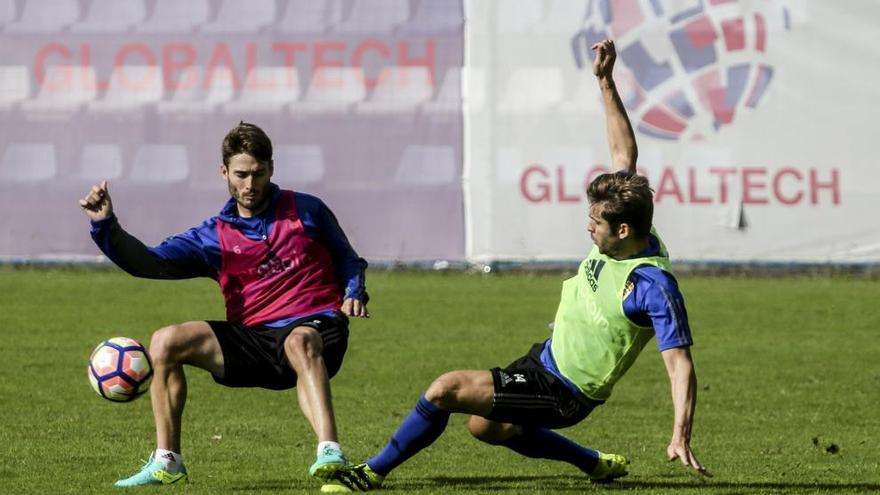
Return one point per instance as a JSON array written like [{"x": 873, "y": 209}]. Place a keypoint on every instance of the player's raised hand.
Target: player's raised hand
[
  {"x": 96, "y": 204},
  {"x": 603, "y": 64},
  {"x": 681, "y": 450},
  {"x": 355, "y": 307}
]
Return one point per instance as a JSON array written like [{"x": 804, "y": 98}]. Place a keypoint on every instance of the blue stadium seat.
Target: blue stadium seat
[
  {"x": 436, "y": 17},
  {"x": 160, "y": 163},
  {"x": 40, "y": 16},
  {"x": 98, "y": 162},
  {"x": 176, "y": 16},
  {"x": 111, "y": 16},
  {"x": 399, "y": 90},
  {"x": 236, "y": 16},
  {"x": 15, "y": 85},
  {"x": 375, "y": 16},
  {"x": 422, "y": 165},
  {"x": 28, "y": 162},
  {"x": 311, "y": 16}
]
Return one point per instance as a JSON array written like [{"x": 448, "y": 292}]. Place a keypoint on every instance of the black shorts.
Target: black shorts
[
  {"x": 529, "y": 395},
  {"x": 255, "y": 357}
]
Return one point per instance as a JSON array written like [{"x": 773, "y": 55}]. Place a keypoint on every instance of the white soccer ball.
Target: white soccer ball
[{"x": 120, "y": 369}]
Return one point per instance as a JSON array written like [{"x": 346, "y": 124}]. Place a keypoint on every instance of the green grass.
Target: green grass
[{"x": 787, "y": 368}]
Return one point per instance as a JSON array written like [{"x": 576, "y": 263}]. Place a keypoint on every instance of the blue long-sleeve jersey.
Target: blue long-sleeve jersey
[{"x": 196, "y": 252}]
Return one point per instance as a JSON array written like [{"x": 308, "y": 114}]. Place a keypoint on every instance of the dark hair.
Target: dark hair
[
  {"x": 247, "y": 138},
  {"x": 625, "y": 199}
]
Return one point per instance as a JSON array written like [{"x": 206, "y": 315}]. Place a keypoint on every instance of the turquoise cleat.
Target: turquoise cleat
[
  {"x": 153, "y": 473},
  {"x": 329, "y": 461}
]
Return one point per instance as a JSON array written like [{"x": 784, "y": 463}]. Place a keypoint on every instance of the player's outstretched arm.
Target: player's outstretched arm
[
  {"x": 97, "y": 204},
  {"x": 178, "y": 257},
  {"x": 683, "y": 380},
  {"x": 621, "y": 138}
]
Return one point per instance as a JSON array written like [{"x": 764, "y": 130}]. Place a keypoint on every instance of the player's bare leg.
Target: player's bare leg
[
  {"x": 304, "y": 349},
  {"x": 467, "y": 392},
  {"x": 171, "y": 347}
]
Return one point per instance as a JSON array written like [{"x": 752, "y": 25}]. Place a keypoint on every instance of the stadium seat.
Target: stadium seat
[
  {"x": 517, "y": 16},
  {"x": 130, "y": 88},
  {"x": 99, "y": 161},
  {"x": 532, "y": 89},
  {"x": 159, "y": 163},
  {"x": 332, "y": 89},
  {"x": 266, "y": 90},
  {"x": 28, "y": 162},
  {"x": 175, "y": 16},
  {"x": 452, "y": 97},
  {"x": 311, "y": 16},
  {"x": 426, "y": 166},
  {"x": 375, "y": 16},
  {"x": 399, "y": 90},
  {"x": 436, "y": 17},
  {"x": 7, "y": 11},
  {"x": 15, "y": 85},
  {"x": 236, "y": 16},
  {"x": 40, "y": 16},
  {"x": 298, "y": 164},
  {"x": 111, "y": 16},
  {"x": 193, "y": 97},
  {"x": 64, "y": 89}
]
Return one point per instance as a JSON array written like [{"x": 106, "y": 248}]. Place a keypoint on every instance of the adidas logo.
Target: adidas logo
[{"x": 505, "y": 378}]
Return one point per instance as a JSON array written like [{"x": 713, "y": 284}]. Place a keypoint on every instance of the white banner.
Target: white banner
[{"x": 755, "y": 122}]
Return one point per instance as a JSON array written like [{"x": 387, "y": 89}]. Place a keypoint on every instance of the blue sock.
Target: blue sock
[
  {"x": 423, "y": 425},
  {"x": 541, "y": 443}
]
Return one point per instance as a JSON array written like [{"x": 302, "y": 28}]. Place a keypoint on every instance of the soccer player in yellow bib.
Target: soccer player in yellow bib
[{"x": 623, "y": 295}]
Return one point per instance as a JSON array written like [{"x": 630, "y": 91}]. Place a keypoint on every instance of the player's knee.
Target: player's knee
[
  {"x": 165, "y": 345},
  {"x": 488, "y": 431},
  {"x": 303, "y": 344},
  {"x": 443, "y": 391}
]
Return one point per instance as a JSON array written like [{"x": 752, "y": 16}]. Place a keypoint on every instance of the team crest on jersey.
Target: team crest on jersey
[
  {"x": 593, "y": 269},
  {"x": 628, "y": 288}
]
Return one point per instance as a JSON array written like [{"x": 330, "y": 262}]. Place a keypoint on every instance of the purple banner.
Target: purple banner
[{"x": 360, "y": 97}]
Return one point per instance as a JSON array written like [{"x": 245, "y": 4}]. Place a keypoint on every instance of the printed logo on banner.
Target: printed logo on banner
[{"x": 685, "y": 68}]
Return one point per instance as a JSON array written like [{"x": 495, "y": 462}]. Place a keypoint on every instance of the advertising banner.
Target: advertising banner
[{"x": 754, "y": 122}]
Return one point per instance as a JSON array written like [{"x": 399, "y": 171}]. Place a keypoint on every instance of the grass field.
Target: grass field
[{"x": 789, "y": 386}]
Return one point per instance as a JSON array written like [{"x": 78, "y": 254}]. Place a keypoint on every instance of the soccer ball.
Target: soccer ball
[{"x": 120, "y": 369}]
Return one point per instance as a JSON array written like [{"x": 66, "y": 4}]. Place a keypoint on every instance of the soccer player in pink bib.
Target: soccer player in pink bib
[{"x": 290, "y": 280}]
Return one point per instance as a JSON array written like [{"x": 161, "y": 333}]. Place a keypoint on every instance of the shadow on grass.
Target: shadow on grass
[
  {"x": 277, "y": 486},
  {"x": 568, "y": 484},
  {"x": 696, "y": 485}
]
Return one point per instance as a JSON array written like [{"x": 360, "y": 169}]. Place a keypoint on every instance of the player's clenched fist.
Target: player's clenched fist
[
  {"x": 97, "y": 204},
  {"x": 605, "y": 57}
]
